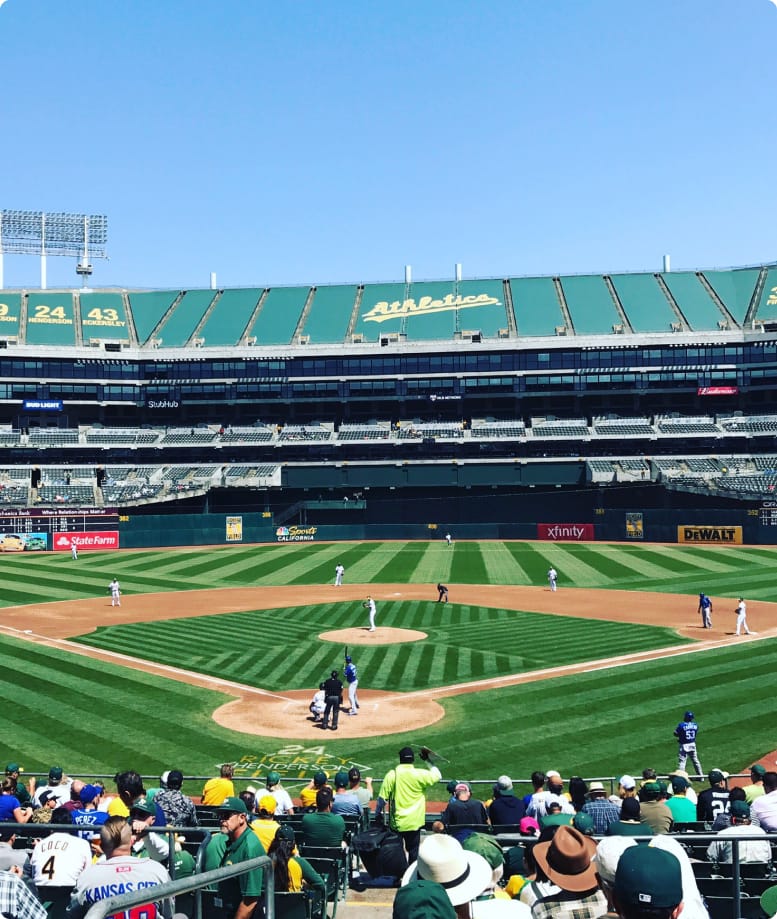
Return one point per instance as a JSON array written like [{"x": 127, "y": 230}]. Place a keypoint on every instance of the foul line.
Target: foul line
[{"x": 146, "y": 665}]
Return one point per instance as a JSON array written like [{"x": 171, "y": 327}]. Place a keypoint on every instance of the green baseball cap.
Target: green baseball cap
[
  {"x": 758, "y": 770},
  {"x": 233, "y": 806},
  {"x": 145, "y": 805},
  {"x": 423, "y": 899},
  {"x": 648, "y": 877},
  {"x": 769, "y": 901},
  {"x": 273, "y": 777},
  {"x": 13, "y": 767}
]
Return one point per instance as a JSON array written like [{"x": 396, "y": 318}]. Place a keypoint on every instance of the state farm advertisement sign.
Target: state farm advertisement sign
[
  {"x": 98, "y": 539},
  {"x": 565, "y": 532}
]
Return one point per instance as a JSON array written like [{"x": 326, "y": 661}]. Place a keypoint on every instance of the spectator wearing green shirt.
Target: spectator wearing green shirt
[
  {"x": 323, "y": 828},
  {"x": 238, "y": 896},
  {"x": 682, "y": 808},
  {"x": 403, "y": 788}
]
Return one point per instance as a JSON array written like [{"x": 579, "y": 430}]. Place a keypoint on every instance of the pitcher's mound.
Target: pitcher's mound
[{"x": 381, "y": 636}]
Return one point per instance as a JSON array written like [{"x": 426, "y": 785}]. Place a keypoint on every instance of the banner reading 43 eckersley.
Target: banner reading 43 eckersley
[{"x": 711, "y": 534}]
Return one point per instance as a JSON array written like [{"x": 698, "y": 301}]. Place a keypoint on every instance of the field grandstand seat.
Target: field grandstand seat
[
  {"x": 207, "y": 816},
  {"x": 755, "y": 886},
  {"x": 306, "y": 904},
  {"x": 332, "y": 863},
  {"x": 716, "y": 886},
  {"x": 690, "y": 826}
]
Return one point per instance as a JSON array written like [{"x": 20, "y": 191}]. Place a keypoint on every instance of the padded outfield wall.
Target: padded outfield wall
[{"x": 641, "y": 515}]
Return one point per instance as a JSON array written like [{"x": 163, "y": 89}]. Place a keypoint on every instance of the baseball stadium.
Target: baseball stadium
[{"x": 220, "y": 451}]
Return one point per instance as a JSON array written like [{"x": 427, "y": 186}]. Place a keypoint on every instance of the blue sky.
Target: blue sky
[{"x": 329, "y": 141}]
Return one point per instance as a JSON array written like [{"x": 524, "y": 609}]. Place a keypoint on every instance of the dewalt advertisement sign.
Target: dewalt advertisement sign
[{"x": 711, "y": 535}]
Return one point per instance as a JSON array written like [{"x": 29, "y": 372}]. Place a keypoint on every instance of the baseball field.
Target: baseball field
[{"x": 215, "y": 653}]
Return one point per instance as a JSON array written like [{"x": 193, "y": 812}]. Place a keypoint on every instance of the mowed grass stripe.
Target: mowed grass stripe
[
  {"x": 398, "y": 568},
  {"x": 370, "y": 559},
  {"x": 501, "y": 565},
  {"x": 434, "y": 564}
]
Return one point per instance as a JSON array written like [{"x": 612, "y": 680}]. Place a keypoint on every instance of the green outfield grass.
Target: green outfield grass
[
  {"x": 465, "y": 643},
  {"x": 95, "y": 717}
]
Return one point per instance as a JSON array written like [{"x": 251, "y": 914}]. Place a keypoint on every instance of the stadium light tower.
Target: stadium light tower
[{"x": 36, "y": 233}]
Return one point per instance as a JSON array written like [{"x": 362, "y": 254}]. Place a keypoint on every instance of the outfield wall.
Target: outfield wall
[{"x": 691, "y": 526}]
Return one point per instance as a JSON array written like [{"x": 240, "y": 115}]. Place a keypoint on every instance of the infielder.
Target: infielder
[
  {"x": 369, "y": 604},
  {"x": 741, "y": 612},
  {"x": 686, "y": 732},
  {"x": 705, "y": 610},
  {"x": 442, "y": 593},
  {"x": 339, "y": 572},
  {"x": 552, "y": 577},
  {"x": 115, "y": 590},
  {"x": 352, "y": 679}
]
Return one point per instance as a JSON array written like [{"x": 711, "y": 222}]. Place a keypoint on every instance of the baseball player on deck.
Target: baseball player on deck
[
  {"x": 352, "y": 679},
  {"x": 686, "y": 733}
]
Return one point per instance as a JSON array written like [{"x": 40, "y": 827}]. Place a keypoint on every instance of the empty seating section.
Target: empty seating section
[
  {"x": 66, "y": 494},
  {"x": 601, "y": 470},
  {"x": 694, "y": 301},
  {"x": 635, "y": 467},
  {"x": 767, "y": 305},
  {"x": 501, "y": 430},
  {"x": 753, "y": 424},
  {"x": 228, "y": 320},
  {"x": 294, "y": 433},
  {"x": 279, "y": 315},
  {"x": 765, "y": 463},
  {"x": 483, "y": 308},
  {"x": 182, "y": 322},
  {"x": 52, "y": 437},
  {"x": 239, "y": 472},
  {"x": 571, "y": 427},
  {"x": 364, "y": 431},
  {"x": 9, "y": 438},
  {"x": 735, "y": 289},
  {"x": 252, "y": 435},
  {"x": 10, "y": 313},
  {"x": 189, "y": 436},
  {"x": 685, "y": 426},
  {"x": 379, "y": 313},
  {"x": 103, "y": 316},
  {"x": 644, "y": 302},
  {"x": 623, "y": 427},
  {"x": 115, "y": 437},
  {"x": 749, "y": 484},
  {"x": 14, "y": 494},
  {"x": 129, "y": 492},
  {"x": 536, "y": 306},
  {"x": 438, "y": 430},
  {"x": 701, "y": 466},
  {"x": 590, "y": 305},
  {"x": 668, "y": 466},
  {"x": 330, "y": 314},
  {"x": 50, "y": 319},
  {"x": 67, "y": 474},
  {"x": 147, "y": 310}
]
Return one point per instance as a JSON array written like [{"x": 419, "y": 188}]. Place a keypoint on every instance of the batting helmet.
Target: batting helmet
[
  {"x": 689, "y": 716},
  {"x": 348, "y": 658}
]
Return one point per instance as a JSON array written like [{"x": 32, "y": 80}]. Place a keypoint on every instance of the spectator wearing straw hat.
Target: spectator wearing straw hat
[{"x": 465, "y": 876}]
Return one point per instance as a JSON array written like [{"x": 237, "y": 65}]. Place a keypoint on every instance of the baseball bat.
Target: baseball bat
[{"x": 345, "y": 653}]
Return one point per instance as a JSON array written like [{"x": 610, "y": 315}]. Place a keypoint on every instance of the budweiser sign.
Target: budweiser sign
[{"x": 98, "y": 539}]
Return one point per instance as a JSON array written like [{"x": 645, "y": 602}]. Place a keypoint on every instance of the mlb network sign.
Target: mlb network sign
[
  {"x": 105, "y": 539},
  {"x": 565, "y": 532}
]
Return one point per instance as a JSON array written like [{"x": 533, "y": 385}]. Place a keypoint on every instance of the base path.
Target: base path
[{"x": 285, "y": 714}]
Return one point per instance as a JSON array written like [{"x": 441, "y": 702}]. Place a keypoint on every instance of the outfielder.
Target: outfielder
[
  {"x": 705, "y": 609},
  {"x": 73, "y": 549},
  {"x": 369, "y": 604},
  {"x": 115, "y": 593},
  {"x": 552, "y": 577},
  {"x": 741, "y": 612},
  {"x": 352, "y": 679},
  {"x": 339, "y": 572},
  {"x": 686, "y": 732}
]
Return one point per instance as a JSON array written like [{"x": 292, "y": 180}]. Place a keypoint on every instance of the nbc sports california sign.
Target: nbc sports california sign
[{"x": 295, "y": 534}]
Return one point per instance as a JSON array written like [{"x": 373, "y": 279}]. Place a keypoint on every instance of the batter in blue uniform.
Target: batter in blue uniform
[{"x": 686, "y": 733}]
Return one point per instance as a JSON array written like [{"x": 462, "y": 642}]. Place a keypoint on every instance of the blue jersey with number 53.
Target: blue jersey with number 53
[{"x": 686, "y": 731}]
